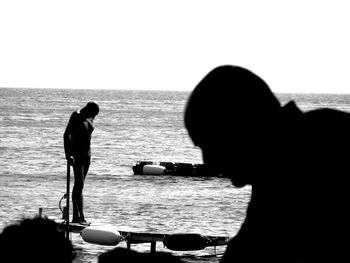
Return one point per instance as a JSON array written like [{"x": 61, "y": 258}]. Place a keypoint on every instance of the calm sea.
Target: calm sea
[{"x": 131, "y": 126}]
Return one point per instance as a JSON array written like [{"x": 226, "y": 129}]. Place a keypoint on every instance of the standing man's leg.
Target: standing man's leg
[
  {"x": 85, "y": 171},
  {"x": 80, "y": 171},
  {"x": 77, "y": 193}
]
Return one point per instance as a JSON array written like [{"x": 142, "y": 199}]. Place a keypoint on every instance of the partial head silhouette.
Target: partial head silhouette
[
  {"x": 231, "y": 109},
  {"x": 91, "y": 109},
  {"x": 35, "y": 240}
]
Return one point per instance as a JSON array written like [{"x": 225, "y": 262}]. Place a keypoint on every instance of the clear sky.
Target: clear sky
[{"x": 295, "y": 46}]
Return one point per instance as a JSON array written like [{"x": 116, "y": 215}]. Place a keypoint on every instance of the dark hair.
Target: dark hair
[
  {"x": 91, "y": 109},
  {"x": 226, "y": 96}
]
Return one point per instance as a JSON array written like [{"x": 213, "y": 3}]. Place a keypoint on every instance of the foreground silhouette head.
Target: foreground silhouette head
[
  {"x": 35, "y": 240},
  {"x": 230, "y": 112}
]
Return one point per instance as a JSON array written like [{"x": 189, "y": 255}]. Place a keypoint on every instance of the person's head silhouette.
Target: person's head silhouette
[
  {"x": 35, "y": 240},
  {"x": 230, "y": 113},
  {"x": 90, "y": 110}
]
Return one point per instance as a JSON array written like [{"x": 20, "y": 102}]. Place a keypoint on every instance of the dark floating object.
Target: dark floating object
[
  {"x": 186, "y": 242},
  {"x": 171, "y": 168}
]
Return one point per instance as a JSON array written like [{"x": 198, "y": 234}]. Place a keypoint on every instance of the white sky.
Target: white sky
[{"x": 295, "y": 46}]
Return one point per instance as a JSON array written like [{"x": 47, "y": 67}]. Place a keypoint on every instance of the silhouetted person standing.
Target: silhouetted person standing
[
  {"x": 77, "y": 138},
  {"x": 296, "y": 163}
]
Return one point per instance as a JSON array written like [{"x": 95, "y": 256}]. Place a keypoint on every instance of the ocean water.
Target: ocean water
[{"x": 131, "y": 126}]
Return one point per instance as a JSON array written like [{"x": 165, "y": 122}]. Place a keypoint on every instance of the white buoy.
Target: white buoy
[
  {"x": 151, "y": 169},
  {"x": 100, "y": 236}
]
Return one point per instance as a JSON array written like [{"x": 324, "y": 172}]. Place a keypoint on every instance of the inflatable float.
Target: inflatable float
[
  {"x": 176, "y": 242},
  {"x": 101, "y": 236},
  {"x": 172, "y": 168}
]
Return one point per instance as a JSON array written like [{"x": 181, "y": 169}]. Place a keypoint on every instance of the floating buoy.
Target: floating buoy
[
  {"x": 101, "y": 237},
  {"x": 184, "y": 169},
  {"x": 151, "y": 169},
  {"x": 186, "y": 242}
]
